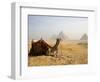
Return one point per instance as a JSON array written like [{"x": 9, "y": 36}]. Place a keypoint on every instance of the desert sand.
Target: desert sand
[{"x": 71, "y": 52}]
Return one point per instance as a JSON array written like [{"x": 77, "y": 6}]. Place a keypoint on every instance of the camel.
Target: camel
[{"x": 42, "y": 48}]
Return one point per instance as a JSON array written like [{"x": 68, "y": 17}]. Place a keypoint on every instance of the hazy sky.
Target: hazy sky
[{"x": 46, "y": 26}]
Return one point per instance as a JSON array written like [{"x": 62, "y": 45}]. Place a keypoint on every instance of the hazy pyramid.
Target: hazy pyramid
[
  {"x": 84, "y": 37},
  {"x": 62, "y": 36}
]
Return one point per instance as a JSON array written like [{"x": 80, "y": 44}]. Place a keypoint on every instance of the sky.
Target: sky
[{"x": 47, "y": 26}]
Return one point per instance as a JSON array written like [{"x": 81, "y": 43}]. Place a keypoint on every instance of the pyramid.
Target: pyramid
[
  {"x": 84, "y": 37},
  {"x": 62, "y": 36}
]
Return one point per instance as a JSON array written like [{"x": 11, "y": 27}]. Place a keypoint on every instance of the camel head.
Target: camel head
[{"x": 58, "y": 39}]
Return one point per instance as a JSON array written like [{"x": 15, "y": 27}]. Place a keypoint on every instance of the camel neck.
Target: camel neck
[{"x": 57, "y": 43}]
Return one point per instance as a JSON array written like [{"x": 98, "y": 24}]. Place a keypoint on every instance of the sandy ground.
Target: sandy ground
[{"x": 70, "y": 52}]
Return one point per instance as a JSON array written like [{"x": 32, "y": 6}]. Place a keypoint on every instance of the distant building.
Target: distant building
[
  {"x": 60, "y": 35},
  {"x": 84, "y": 37},
  {"x": 63, "y": 36}
]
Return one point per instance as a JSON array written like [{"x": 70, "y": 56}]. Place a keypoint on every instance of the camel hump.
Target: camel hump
[{"x": 39, "y": 48}]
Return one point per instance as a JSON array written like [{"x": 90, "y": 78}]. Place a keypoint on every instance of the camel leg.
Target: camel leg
[{"x": 56, "y": 53}]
